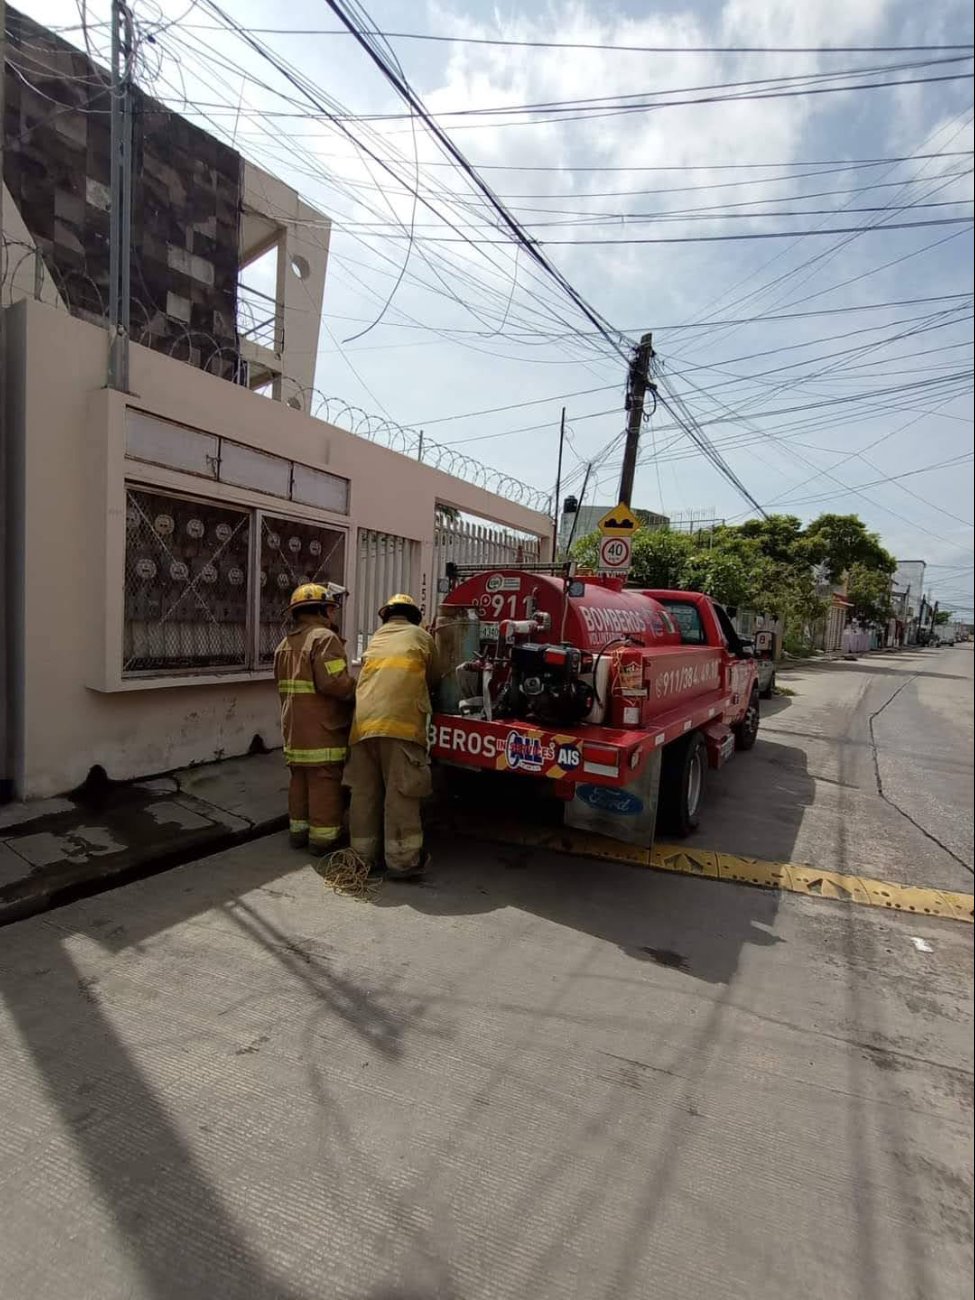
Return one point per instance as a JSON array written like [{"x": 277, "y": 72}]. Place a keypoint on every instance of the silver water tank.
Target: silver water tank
[{"x": 458, "y": 637}]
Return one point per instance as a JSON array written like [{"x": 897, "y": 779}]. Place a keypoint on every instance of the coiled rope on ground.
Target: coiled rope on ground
[{"x": 346, "y": 873}]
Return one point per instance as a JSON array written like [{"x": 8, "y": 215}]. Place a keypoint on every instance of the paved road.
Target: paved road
[
  {"x": 867, "y": 769},
  {"x": 531, "y": 1077}
]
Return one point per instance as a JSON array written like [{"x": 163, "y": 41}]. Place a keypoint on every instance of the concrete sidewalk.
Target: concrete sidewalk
[{"x": 55, "y": 849}]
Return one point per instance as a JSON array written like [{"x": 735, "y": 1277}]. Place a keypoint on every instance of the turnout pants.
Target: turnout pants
[
  {"x": 388, "y": 779},
  {"x": 315, "y": 805}
]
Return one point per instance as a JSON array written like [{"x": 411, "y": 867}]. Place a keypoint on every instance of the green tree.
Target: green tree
[
  {"x": 841, "y": 541},
  {"x": 721, "y": 573},
  {"x": 777, "y": 538},
  {"x": 869, "y": 592},
  {"x": 942, "y": 616}
]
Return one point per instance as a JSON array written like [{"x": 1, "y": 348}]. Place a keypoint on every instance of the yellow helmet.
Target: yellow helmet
[
  {"x": 401, "y": 604},
  {"x": 314, "y": 593}
]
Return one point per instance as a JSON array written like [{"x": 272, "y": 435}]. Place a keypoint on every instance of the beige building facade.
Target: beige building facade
[{"x": 158, "y": 534}]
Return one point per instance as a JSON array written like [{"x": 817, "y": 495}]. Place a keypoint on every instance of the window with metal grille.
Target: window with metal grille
[
  {"x": 193, "y": 602},
  {"x": 186, "y": 568},
  {"x": 292, "y": 553}
]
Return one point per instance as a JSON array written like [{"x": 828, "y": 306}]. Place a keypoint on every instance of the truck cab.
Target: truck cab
[{"x": 701, "y": 621}]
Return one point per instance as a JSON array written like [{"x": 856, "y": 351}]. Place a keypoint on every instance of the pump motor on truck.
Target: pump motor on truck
[{"x": 617, "y": 701}]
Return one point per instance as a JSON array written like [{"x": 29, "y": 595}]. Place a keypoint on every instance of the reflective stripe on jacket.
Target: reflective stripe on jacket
[
  {"x": 392, "y": 695},
  {"x": 316, "y": 692}
]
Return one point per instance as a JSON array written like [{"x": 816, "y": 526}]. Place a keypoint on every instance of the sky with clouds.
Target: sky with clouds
[{"x": 833, "y": 388}]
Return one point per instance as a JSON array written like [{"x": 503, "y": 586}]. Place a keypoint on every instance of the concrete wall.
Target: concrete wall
[
  {"x": 274, "y": 217},
  {"x": 186, "y": 196},
  {"x": 77, "y": 710}
]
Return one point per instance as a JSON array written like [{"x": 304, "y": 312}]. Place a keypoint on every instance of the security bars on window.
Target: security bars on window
[{"x": 192, "y": 601}]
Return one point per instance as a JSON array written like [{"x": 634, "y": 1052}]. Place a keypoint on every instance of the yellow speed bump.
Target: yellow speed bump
[{"x": 709, "y": 865}]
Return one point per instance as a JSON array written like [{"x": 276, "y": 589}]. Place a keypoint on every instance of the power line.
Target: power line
[
  {"x": 750, "y": 97},
  {"x": 595, "y": 45},
  {"x": 585, "y": 221},
  {"x": 711, "y": 239},
  {"x": 600, "y": 102},
  {"x": 616, "y": 241},
  {"x": 514, "y": 227},
  {"x": 741, "y": 320},
  {"x": 839, "y": 164},
  {"x": 585, "y": 392},
  {"x": 553, "y": 196},
  {"x": 828, "y": 253},
  {"x": 701, "y": 440},
  {"x": 965, "y": 458},
  {"x": 323, "y": 104}
]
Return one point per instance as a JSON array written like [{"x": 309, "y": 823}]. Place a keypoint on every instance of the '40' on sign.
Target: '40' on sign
[{"x": 615, "y": 553}]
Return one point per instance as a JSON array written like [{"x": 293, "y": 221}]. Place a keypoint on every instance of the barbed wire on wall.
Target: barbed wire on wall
[
  {"x": 15, "y": 256},
  {"x": 412, "y": 442},
  {"x": 79, "y": 293}
]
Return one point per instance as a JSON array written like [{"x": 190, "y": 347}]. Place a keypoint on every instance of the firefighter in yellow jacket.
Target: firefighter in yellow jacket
[
  {"x": 316, "y": 692},
  {"x": 389, "y": 765}
]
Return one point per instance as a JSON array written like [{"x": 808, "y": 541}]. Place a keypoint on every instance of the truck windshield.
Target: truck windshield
[{"x": 688, "y": 621}]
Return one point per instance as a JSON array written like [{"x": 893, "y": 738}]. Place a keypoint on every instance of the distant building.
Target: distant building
[{"x": 587, "y": 517}]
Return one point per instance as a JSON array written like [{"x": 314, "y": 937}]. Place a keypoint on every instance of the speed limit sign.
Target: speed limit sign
[{"x": 615, "y": 554}]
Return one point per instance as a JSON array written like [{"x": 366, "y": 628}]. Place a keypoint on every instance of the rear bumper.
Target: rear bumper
[
  {"x": 591, "y": 754},
  {"x": 596, "y": 755}
]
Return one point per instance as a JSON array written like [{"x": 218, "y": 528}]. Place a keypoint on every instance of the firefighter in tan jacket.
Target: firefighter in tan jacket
[
  {"x": 316, "y": 692},
  {"x": 389, "y": 764}
]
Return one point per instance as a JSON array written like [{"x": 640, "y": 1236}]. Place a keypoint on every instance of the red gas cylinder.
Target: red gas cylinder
[{"x": 627, "y": 687}]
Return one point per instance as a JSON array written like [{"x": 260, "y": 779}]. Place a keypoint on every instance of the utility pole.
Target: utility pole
[
  {"x": 558, "y": 487},
  {"x": 637, "y": 382},
  {"x": 120, "y": 239},
  {"x": 582, "y": 497}
]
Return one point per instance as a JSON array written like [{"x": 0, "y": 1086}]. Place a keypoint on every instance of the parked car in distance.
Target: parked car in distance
[{"x": 766, "y": 669}]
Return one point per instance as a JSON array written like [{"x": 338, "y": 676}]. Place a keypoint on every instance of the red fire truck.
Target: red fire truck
[{"x": 619, "y": 700}]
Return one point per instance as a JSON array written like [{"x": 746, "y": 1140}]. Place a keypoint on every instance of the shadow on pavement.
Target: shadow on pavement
[
  {"x": 181, "y": 1237},
  {"x": 755, "y": 805},
  {"x": 777, "y": 704},
  {"x": 179, "y": 1234},
  {"x": 700, "y": 926}
]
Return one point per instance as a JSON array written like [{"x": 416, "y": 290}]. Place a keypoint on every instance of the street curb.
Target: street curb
[{"x": 46, "y": 890}]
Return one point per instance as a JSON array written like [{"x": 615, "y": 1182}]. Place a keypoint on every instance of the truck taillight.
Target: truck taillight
[
  {"x": 604, "y": 759},
  {"x": 555, "y": 656}
]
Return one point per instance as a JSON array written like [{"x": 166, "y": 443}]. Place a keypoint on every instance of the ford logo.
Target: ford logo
[{"x": 609, "y": 799}]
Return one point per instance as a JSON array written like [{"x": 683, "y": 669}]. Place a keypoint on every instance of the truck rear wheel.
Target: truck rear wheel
[
  {"x": 746, "y": 732},
  {"x": 682, "y": 784}
]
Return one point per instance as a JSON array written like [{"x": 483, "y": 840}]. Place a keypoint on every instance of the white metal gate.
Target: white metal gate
[
  {"x": 385, "y": 564},
  {"x": 461, "y": 542}
]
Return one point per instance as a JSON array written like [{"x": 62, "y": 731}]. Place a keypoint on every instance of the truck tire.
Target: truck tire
[
  {"x": 682, "y": 778},
  {"x": 769, "y": 690},
  {"x": 746, "y": 732}
]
